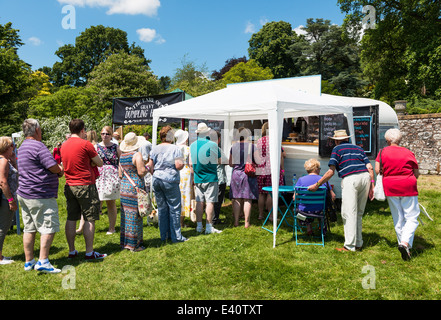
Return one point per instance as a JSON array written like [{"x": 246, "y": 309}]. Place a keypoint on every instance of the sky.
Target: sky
[{"x": 205, "y": 32}]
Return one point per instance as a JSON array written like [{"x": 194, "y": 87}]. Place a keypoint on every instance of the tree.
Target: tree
[
  {"x": 325, "y": 50},
  {"x": 193, "y": 79},
  {"x": 230, "y": 63},
  {"x": 92, "y": 46},
  {"x": 14, "y": 80},
  {"x": 74, "y": 102},
  {"x": 269, "y": 47},
  {"x": 399, "y": 55},
  {"x": 123, "y": 75},
  {"x": 246, "y": 72}
]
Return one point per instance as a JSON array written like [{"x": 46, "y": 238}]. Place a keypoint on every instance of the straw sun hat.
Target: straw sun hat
[
  {"x": 202, "y": 128},
  {"x": 340, "y": 135},
  {"x": 131, "y": 142}
]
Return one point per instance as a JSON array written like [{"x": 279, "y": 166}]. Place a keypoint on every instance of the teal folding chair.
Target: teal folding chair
[{"x": 308, "y": 198}]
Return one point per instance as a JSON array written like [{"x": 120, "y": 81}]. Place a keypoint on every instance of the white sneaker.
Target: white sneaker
[
  {"x": 6, "y": 260},
  {"x": 30, "y": 265},
  {"x": 212, "y": 230},
  {"x": 199, "y": 229},
  {"x": 46, "y": 268}
]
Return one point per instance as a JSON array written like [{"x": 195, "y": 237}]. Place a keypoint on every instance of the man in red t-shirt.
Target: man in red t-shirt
[{"x": 78, "y": 156}]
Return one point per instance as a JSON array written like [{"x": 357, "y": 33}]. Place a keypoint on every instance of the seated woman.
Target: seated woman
[{"x": 312, "y": 167}]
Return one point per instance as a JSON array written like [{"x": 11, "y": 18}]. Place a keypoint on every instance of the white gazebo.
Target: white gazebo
[{"x": 255, "y": 101}]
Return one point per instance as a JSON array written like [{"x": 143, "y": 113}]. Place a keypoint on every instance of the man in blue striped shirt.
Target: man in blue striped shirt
[{"x": 357, "y": 185}]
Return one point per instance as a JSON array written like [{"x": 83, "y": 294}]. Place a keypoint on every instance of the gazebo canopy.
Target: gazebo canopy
[{"x": 255, "y": 101}]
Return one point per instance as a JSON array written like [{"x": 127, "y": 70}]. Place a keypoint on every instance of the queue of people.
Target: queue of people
[{"x": 111, "y": 170}]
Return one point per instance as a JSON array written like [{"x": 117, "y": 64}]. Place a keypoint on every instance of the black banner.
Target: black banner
[{"x": 139, "y": 111}]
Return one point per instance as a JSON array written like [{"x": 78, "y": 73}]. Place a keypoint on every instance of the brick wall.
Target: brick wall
[{"x": 422, "y": 135}]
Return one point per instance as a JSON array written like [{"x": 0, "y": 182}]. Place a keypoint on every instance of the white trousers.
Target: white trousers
[
  {"x": 355, "y": 192},
  {"x": 405, "y": 212}
]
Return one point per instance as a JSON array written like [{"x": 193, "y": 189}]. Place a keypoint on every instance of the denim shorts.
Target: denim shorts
[
  {"x": 206, "y": 192},
  {"x": 82, "y": 201}
]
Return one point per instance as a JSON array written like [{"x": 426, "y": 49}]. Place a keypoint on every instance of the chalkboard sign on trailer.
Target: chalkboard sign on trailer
[{"x": 366, "y": 128}]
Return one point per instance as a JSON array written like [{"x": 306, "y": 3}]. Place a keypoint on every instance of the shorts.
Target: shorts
[
  {"x": 82, "y": 201},
  {"x": 206, "y": 192},
  {"x": 39, "y": 215}
]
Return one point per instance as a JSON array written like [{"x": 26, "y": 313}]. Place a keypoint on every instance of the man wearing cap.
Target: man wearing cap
[
  {"x": 357, "y": 184},
  {"x": 204, "y": 157}
]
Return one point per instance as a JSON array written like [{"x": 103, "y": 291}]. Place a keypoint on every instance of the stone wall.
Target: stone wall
[{"x": 422, "y": 135}]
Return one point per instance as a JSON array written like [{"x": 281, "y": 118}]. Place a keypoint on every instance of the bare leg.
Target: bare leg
[
  {"x": 28, "y": 245},
  {"x": 112, "y": 214}
]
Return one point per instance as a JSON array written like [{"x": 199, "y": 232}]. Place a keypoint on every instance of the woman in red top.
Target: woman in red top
[
  {"x": 57, "y": 153},
  {"x": 400, "y": 174}
]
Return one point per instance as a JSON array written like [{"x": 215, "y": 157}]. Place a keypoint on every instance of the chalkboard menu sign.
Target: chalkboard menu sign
[
  {"x": 193, "y": 125},
  {"x": 366, "y": 127}
]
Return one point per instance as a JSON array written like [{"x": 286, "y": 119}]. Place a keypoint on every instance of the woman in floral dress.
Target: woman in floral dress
[
  {"x": 108, "y": 184},
  {"x": 264, "y": 173}
]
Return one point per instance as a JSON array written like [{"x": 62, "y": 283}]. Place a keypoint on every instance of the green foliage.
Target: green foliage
[
  {"x": 401, "y": 55},
  {"x": 329, "y": 50},
  {"x": 71, "y": 101},
  {"x": 230, "y": 63},
  {"x": 92, "y": 47},
  {"x": 269, "y": 47},
  {"x": 123, "y": 75},
  {"x": 14, "y": 80},
  {"x": 247, "y": 72},
  {"x": 419, "y": 105},
  {"x": 193, "y": 79}
]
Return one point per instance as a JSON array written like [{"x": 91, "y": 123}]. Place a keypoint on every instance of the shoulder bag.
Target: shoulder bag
[
  {"x": 379, "y": 190},
  {"x": 145, "y": 206},
  {"x": 250, "y": 167}
]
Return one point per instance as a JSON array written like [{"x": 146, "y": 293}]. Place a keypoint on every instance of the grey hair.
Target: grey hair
[
  {"x": 30, "y": 127},
  {"x": 393, "y": 136}
]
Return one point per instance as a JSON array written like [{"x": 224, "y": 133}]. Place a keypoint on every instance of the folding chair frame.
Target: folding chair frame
[{"x": 303, "y": 196}]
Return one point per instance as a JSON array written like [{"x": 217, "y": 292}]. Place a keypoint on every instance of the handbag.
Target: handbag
[
  {"x": 250, "y": 167},
  {"x": 378, "y": 189},
  {"x": 145, "y": 206}
]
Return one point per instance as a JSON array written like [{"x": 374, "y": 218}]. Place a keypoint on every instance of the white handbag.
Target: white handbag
[{"x": 379, "y": 190}]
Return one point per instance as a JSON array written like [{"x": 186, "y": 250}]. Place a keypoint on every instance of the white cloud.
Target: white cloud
[
  {"x": 148, "y": 35},
  {"x": 263, "y": 21},
  {"x": 299, "y": 30},
  {"x": 131, "y": 7},
  {"x": 250, "y": 28},
  {"x": 35, "y": 41}
]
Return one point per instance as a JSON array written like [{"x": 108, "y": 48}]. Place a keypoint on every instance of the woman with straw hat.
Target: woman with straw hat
[{"x": 131, "y": 165}]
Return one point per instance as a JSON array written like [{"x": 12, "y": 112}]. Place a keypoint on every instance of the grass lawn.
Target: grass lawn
[{"x": 239, "y": 263}]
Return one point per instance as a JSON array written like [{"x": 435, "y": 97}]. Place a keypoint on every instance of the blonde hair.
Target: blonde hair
[
  {"x": 109, "y": 129},
  {"x": 5, "y": 143},
  {"x": 264, "y": 129},
  {"x": 311, "y": 165},
  {"x": 91, "y": 136}
]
